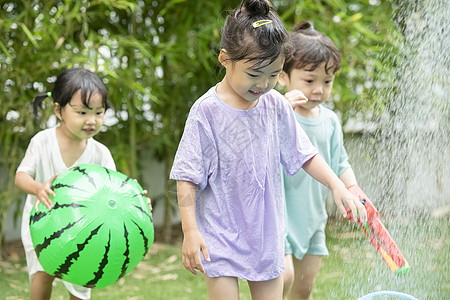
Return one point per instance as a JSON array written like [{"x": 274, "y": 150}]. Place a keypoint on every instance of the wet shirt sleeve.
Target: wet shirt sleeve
[
  {"x": 29, "y": 162},
  {"x": 295, "y": 146},
  {"x": 339, "y": 156},
  {"x": 193, "y": 158}
]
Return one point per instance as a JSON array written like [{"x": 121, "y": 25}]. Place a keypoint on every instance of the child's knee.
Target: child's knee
[
  {"x": 288, "y": 277},
  {"x": 43, "y": 278},
  {"x": 302, "y": 291},
  {"x": 302, "y": 286},
  {"x": 288, "y": 274}
]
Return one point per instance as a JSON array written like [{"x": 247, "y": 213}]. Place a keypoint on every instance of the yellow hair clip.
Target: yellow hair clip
[{"x": 261, "y": 23}]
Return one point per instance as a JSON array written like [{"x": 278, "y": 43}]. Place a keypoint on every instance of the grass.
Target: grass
[{"x": 352, "y": 270}]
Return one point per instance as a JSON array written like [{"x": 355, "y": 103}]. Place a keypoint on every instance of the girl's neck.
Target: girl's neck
[
  {"x": 231, "y": 98},
  {"x": 313, "y": 113},
  {"x": 70, "y": 148}
]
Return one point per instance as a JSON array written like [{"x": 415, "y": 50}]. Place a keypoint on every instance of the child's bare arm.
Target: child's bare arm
[
  {"x": 319, "y": 170},
  {"x": 348, "y": 177},
  {"x": 41, "y": 190},
  {"x": 193, "y": 242}
]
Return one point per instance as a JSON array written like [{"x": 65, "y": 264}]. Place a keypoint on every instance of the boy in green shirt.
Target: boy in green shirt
[{"x": 308, "y": 74}]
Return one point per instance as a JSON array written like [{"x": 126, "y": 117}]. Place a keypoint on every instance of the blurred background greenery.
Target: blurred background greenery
[{"x": 156, "y": 58}]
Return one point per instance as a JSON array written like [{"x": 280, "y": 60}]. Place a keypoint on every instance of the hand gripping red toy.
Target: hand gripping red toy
[{"x": 378, "y": 235}]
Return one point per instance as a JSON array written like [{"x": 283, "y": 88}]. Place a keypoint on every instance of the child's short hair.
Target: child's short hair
[
  {"x": 254, "y": 32},
  {"x": 70, "y": 82},
  {"x": 311, "y": 48}
]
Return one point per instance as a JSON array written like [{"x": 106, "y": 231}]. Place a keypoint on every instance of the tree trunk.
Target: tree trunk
[
  {"x": 168, "y": 200},
  {"x": 133, "y": 140}
]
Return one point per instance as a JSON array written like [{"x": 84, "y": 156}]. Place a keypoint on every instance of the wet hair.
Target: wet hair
[
  {"x": 68, "y": 83},
  {"x": 242, "y": 41},
  {"x": 311, "y": 48}
]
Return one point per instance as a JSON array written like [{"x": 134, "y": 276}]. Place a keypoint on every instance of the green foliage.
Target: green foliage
[{"x": 156, "y": 58}]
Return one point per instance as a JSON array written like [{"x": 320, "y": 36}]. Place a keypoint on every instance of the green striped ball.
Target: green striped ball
[{"x": 99, "y": 228}]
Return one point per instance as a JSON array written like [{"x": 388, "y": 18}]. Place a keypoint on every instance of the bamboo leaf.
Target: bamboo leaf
[
  {"x": 29, "y": 34},
  {"x": 2, "y": 46}
]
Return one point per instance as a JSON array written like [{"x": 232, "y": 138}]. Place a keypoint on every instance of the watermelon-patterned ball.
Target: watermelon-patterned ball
[{"x": 99, "y": 228}]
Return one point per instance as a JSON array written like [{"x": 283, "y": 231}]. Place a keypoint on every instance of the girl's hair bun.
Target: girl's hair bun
[
  {"x": 312, "y": 48},
  {"x": 257, "y": 7},
  {"x": 254, "y": 32},
  {"x": 304, "y": 25}
]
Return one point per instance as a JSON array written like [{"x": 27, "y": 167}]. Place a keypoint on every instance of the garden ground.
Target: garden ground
[{"x": 352, "y": 270}]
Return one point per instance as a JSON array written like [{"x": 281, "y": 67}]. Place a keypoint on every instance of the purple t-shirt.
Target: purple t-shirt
[{"x": 233, "y": 156}]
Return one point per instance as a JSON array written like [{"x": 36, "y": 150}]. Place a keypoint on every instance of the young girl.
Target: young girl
[
  {"x": 79, "y": 102},
  {"x": 308, "y": 73},
  {"x": 228, "y": 162}
]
